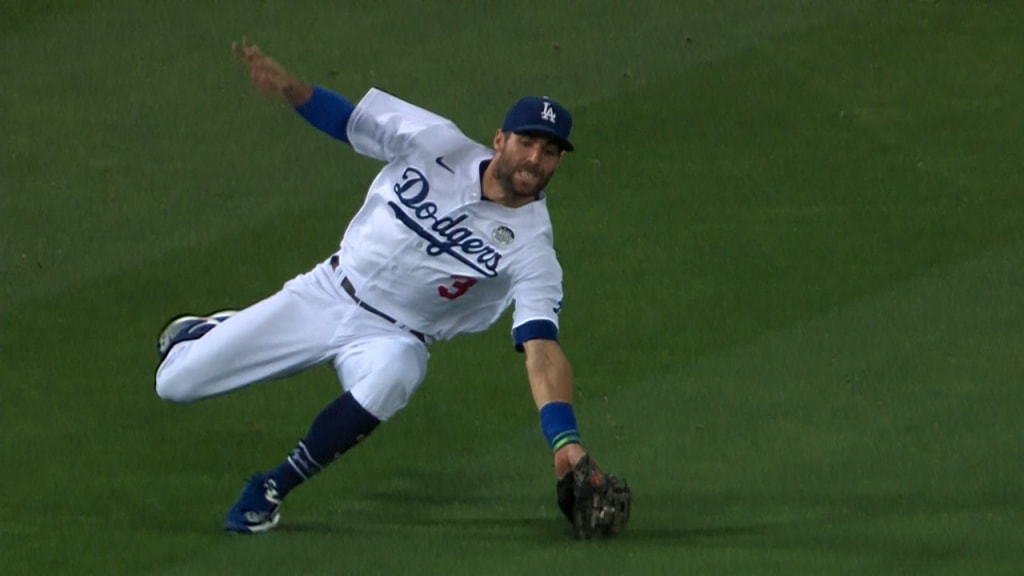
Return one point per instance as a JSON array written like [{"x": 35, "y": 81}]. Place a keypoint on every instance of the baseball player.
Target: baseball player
[{"x": 450, "y": 235}]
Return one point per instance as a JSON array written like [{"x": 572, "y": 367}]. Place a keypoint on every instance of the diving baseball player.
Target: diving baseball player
[{"x": 450, "y": 235}]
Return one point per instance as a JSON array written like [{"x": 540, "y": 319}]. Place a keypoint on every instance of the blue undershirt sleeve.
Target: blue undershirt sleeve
[{"x": 329, "y": 112}]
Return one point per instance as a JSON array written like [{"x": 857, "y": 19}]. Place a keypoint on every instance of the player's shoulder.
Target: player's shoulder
[
  {"x": 449, "y": 141},
  {"x": 429, "y": 135},
  {"x": 379, "y": 102},
  {"x": 541, "y": 219},
  {"x": 535, "y": 258},
  {"x": 534, "y": 236}
]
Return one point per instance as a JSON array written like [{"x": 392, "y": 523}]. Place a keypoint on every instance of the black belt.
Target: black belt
[{"x": 347, "y": 286}]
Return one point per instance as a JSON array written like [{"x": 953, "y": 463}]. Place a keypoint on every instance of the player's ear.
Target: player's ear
[
  {"x": 561, "y": 156},
  {"x": 499, "y": 139}
]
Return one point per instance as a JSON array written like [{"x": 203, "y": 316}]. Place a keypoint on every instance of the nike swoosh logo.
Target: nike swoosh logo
[{"x": 440, "y": 162}]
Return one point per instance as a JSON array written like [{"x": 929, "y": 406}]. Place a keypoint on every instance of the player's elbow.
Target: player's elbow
[{"x": 545, "y": 355}]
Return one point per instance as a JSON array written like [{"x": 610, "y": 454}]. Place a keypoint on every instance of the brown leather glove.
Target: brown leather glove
[{"x": 596, "y": 504}]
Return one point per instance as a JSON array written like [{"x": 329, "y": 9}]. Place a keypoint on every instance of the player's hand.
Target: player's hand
[
  {"x": 566, "y": 458},
  {"x": 595, "y": 503},
  {"x": 268, "y": 76}
]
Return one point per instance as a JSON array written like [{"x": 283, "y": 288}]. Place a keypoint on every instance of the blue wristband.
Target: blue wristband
[
  {"x": 559, "y": 424},
  {"x": 329, "y": 112}
]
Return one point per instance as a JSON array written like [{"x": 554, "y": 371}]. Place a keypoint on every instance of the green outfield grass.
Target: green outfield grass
[{"x": 793, "y": 246}]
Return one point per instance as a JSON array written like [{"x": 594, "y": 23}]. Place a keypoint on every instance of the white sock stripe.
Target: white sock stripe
[
  {"x": 297, "y": 468},
  {"x": 309, "y": 457}
]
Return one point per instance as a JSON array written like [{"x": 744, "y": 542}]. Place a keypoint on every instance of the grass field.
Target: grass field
[{"x": 793, "y": 240}]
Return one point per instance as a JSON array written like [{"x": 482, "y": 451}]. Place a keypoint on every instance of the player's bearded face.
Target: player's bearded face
[{"x": 524, "y": 164}]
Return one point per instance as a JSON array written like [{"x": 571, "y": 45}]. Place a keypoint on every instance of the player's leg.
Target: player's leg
[
  {"x": 285, "y": 333},
  {"x": 379, "y": 374},
  {"x": 187, "y": 328}
]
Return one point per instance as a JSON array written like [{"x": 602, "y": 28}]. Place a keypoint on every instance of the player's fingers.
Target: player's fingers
[
  {"x": 251, "y": 48},
  {"x": 245, "y": 52},
  {"x": 242, "y": 48}
]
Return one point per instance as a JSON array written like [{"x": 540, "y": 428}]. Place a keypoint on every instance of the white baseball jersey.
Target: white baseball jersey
[{"x": 426, "y": 247}]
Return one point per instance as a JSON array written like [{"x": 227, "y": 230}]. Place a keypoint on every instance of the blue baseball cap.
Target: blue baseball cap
[{"x": 540, "y": 115}]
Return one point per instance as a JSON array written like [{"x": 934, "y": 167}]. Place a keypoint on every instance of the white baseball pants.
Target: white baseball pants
[{"x": 309, "y": 322}]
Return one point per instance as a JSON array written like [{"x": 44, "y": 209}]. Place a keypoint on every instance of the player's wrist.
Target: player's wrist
[
  {"x": 297, "y": 92},
  {"x": 558, "y": 421},
  {"x": 566, "y": 458}
]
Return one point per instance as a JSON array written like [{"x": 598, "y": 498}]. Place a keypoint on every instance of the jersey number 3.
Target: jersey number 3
[{"x": 460, "y": 285}]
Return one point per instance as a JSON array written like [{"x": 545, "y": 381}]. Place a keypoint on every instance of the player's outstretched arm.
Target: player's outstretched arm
[
  {"x": 270, "y": 77},
  {"x": 322, "y": 108},
  {"x": 550, "y": 376},
  {"x": 595, "y": 503}
]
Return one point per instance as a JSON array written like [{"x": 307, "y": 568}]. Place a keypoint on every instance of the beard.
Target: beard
[{"x": 519, "y": 181}]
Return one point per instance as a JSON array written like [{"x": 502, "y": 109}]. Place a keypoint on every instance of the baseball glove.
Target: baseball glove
[{"x": 596, "y": 504}]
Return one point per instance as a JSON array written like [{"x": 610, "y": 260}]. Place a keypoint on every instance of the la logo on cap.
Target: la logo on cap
[{"x": 547, "y": 113}]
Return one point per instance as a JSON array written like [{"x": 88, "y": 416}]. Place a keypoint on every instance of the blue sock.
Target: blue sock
[{"x": 338, "y": 427}]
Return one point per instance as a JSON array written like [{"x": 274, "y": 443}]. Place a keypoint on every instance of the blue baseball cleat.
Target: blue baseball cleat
[
  {"x": 256, "y": 509},
  {"x": 184, "y": 328}
]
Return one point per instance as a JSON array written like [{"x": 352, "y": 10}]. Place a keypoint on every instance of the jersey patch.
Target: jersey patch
[{"x": 503, "y": 236}]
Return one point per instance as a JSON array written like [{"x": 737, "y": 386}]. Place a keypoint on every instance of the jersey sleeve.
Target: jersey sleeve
[
  {"x": 537, "y": 294},
  {"x": 384, "y": 127}
]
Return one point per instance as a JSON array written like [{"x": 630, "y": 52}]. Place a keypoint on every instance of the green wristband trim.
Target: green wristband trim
[{"x": 564, "y": 439}]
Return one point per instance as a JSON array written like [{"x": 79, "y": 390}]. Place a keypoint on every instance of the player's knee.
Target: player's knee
[
  {"x": 389, "y": 389},
  {"x": 174, "y": 385},
  {"x": 167, "y": 389}
]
